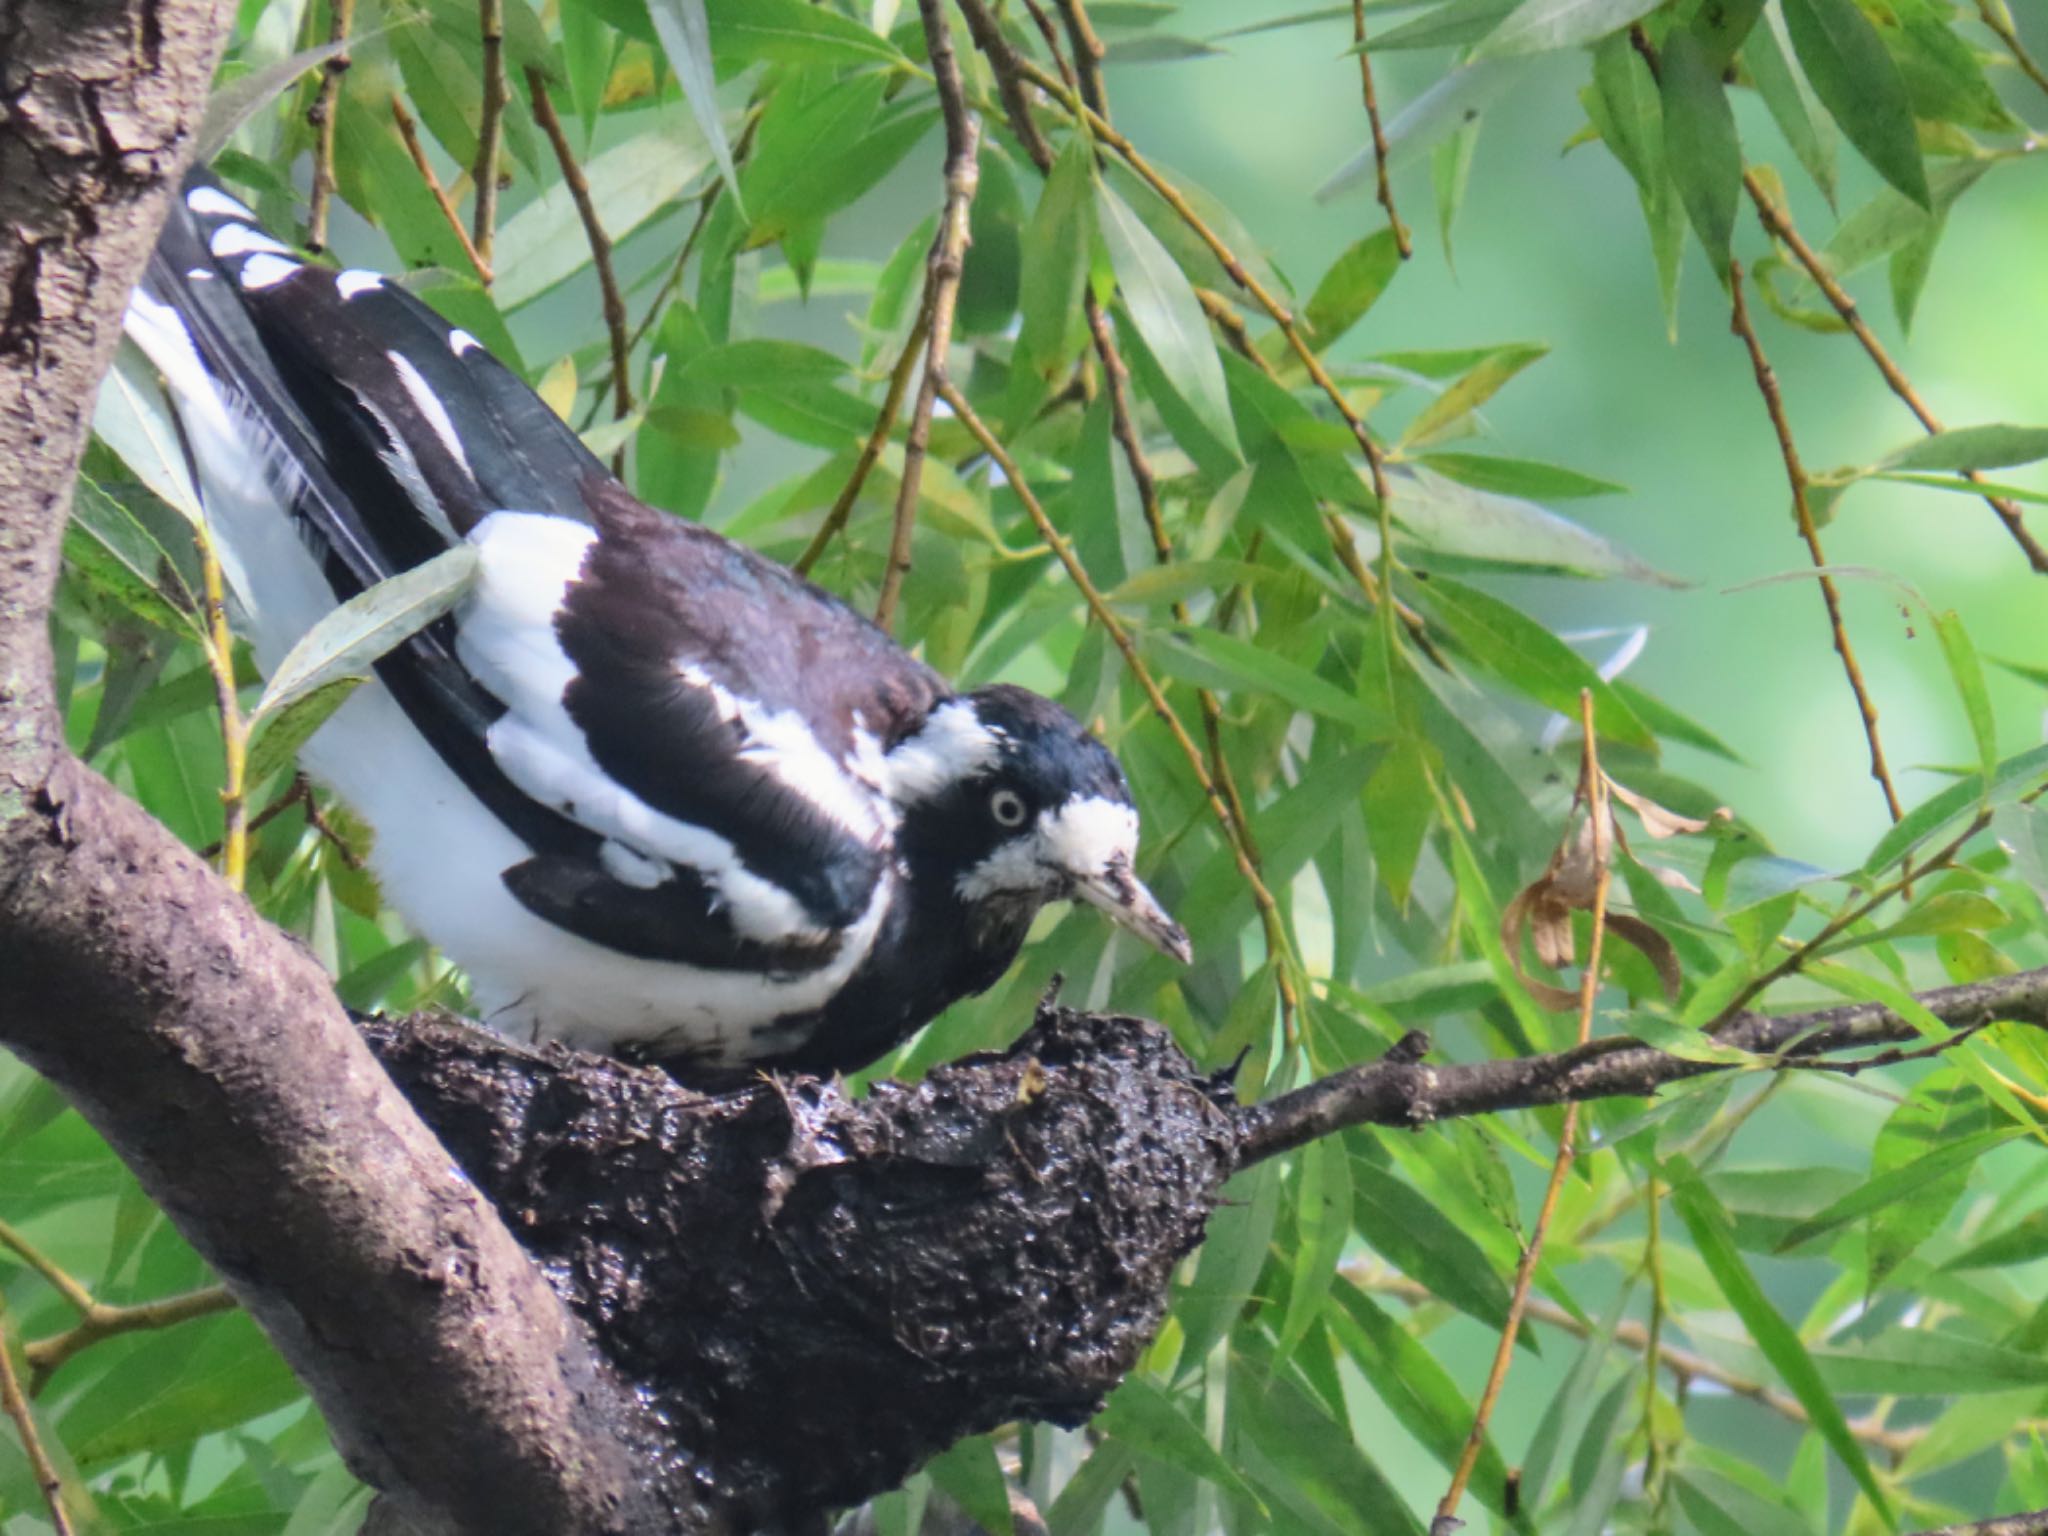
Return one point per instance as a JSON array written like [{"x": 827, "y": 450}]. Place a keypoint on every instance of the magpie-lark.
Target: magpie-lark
[{"x": 652, "y": 791}]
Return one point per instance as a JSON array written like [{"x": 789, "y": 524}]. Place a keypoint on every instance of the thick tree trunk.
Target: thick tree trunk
[{"x": 203, "y": 1044}]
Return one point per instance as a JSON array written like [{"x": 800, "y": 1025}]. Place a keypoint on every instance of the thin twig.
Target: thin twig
[
  {"x": 1008, "y": 66},
  {"x": 871, "y": 450},
  {"x": 1999, "y": 21},
  {"x": 1100, "y": 610},
  {"x": 1051, "y": 35},
  {"x": 1409, "y": 1095},
  {"x": 1593, "y": 785},
  {"x": 321, "y": 115},
  {"x": 600, "y": 251},
  {"x": 948, "y": 260},
  {"x": 14, "y": 1402},
  {"x": 490, "y": 127},
  {"x": 1088, "y": 54},
  {"x": 102, "y": 1322},
  {"x": 1124, "y": 424},
  {"x": 54, "y": 1275},
  {"x": 300, "y": 793},
  {"x": 234, "y": 730},
  {"x": 1795, "y": 473},
  {"x": 1779, "y": 224},
  {"x": 1379, "y": 135},
  {"x": 409, "y": 131}
]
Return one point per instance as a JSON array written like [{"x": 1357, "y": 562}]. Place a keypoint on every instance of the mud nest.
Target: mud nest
[{"x": 815, "y": 1293}]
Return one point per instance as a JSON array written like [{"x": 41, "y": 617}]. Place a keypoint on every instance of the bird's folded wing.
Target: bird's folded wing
[{"x": 686, "y": 735}]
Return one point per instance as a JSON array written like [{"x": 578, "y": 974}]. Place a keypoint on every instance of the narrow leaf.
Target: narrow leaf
[
  {"x": 685, "y": 34},
  {"x": 1538, "y": 25},
  {"x": 355, "y": 635},
  {"x": 1163, "y": 305},
  {"x": 1713, "y": 1237},
  {"x": 1701, "y": 146},
  {"x": 1854, "y": 76}
]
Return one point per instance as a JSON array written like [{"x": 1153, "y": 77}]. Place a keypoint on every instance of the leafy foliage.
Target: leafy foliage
[{"x": 1771, "y": 1302}]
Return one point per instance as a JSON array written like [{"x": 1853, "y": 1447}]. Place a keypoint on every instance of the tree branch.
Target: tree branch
[
  {"x": 205, "y": 1046},
  {"x": 1400, "y": 1091},
  {"x": 2033, "y": 1524}
]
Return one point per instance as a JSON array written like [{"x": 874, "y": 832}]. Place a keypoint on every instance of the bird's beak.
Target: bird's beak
[{"x": 1123, "y": 896}]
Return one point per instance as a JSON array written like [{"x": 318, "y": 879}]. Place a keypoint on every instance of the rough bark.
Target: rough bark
[{"x": 205, "y": 1046}]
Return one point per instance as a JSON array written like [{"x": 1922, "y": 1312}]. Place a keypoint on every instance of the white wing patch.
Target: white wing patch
[
  {"x": 355, "y": 282},
  {"x": 232, "y": 240},
  {"x": 780, "y": 742},
  {"x": 265, "y": 270},
  {"x": 461, "y": 343},
  {"x": 430, "y": 406},
  {"x": 211, "y": 202},
  {"x": 505, "y": 635}
]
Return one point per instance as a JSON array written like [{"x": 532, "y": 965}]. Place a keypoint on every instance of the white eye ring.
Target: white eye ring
[{"x": 1007, "y": 806}]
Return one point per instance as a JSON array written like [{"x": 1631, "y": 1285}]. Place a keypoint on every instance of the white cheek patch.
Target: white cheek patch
[
  {"x": 954, "y": 745},
  {"x": 1015, "y": 867},
  {"x": 1088, "y": 834},
  {"x": 1083, "y": 838}
]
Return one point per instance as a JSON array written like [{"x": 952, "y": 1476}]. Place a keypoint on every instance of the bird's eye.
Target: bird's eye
[{"x": 1007, "y": 806}]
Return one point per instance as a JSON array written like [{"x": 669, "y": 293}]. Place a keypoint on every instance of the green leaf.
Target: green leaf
[
  {"x": 1624, "y": 107},
  {"x": 1932, "y": 1167},
  {"x": 1538, "y": 25},
  {"x": 1322, "y": 1218},
  {"x": 1988, "y": 447},
  {"x": 1528, "y": 657},
  {"x": 132, "y": 418},
  {"x": 1853, "y": 74},
  {"x": 1959, "y": 799},
  {"x": 1417, "y": 1239},
  {"x": 1146, "y": 1419},
  {"x": 175, "y": 1386},
  {"x": 1352, "y": 286},
  {"x": 1399, "y": 809},
  {"x": 1237, "y": 665},
  {"x": 235, "y": 103},
  {"x": 1711, "y": 1235},
  {"x": 794, "y": 32},
  {"x": 1700, "y": 144},
  {"x": 108, "y": 546},
  {"x": 1518, "y": 477},
  {"x": 759, "y": 362},
  {"x": 276, "y": 737},
  {"x": 1450, "y": 174},
  {"x": 1945, "y": 1110},
  {"x": 1767, "y": 53},
  {"x": 543, "y": 243},
  {"x": 685, "y": 34},
  {"x": 1163, "y": 306},
  {"x": 1911, "y": 1362},
  {"x": 1967, "y": 673},
  {"x": 1314, "y": 1460},
  {"x": 1227, "y": 1268},
  {"x": 2021, "y": 1243},
  {"x": 1053, "y": 275},
  {"x": 347, "y": 641},
  {"x": 973, "y": 1478},
  {"x": 1448, "y": 26},
  {"x": 1450, "y": 410},
  {"x": 1417, "y": 1391}
]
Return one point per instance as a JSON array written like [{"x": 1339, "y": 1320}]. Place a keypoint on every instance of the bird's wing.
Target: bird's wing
[{"x": 685, "y": 734}]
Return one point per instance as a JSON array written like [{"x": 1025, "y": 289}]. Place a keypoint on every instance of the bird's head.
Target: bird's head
[{"x": 1011, "y": 802}]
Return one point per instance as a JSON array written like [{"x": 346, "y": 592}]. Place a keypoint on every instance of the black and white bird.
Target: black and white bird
[{"x": 656, "y": 794}]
